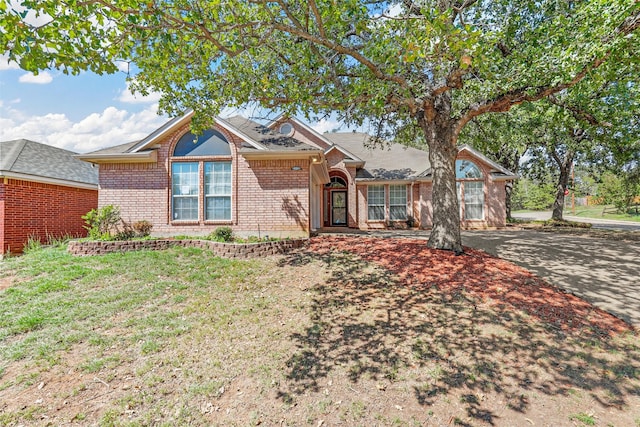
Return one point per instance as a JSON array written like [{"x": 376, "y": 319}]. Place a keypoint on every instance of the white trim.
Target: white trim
[
  {"x": 376, "y": 181},
  {"x": 149, "y": 156},
  {"x": 303, "y": 125},
  {"x": 317, "y": 156},
  {"x": 354, "y": 159},
  {"x": 485, "y": 159},
  {"x": 45, "y": 180},
  {"x": 176, "y": 123},
  {"x": 151, "y": 138}
]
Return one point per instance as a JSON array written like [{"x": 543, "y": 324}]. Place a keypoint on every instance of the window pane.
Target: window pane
[
  {"x": 184, "y": 189},
  {"x": 376, "y": 213},
  {"x": 398, "y": 213},
  {"x": 466, "y": 169},
  {"x": 184, "y": 179},
  {"x": 398, "y": 202},
  {"x": 218, "y": 208},
  {"x": 217, "y": 187},
  {"x": 474, "y": 200},
  {"x": 210, "y": 143},
  {"x": 375, "y": 202},
  {"x": 185, "y": 208}
]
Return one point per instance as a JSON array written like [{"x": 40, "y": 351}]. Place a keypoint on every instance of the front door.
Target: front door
[{"x": 338, "y": 208}]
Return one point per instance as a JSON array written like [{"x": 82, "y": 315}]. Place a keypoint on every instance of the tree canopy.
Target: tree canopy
[{"x": 415, "y": 70}]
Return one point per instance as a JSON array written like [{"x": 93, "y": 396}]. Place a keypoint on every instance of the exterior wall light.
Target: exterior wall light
[{"x": 296, "y": 168}]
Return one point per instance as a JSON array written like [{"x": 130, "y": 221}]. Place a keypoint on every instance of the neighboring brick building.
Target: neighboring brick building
[
  {"x": 44, "y": 191},
  {"x": 283, "y": 180}
]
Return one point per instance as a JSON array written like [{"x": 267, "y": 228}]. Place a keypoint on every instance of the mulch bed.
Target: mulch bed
[{"x": 481, "y": 276}]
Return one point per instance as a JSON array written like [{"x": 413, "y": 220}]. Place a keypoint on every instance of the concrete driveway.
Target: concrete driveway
[{"x": 604, "y": 272}]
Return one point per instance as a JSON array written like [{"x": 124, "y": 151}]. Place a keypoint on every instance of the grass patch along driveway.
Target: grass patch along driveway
[{"x": 352, "y": 331}]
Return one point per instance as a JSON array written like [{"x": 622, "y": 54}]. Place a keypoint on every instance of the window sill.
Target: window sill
[{"x": 185, "y": 222}]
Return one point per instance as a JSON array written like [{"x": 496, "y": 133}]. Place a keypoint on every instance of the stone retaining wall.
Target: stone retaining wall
[{"x": 224, "y": 250}]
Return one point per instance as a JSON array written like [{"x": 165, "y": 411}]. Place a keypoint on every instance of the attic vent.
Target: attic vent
[{"x": 286, "y": 129}]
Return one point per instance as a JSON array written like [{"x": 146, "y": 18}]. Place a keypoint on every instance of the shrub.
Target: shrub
[
  {"x": 126, "y": 233},
  {"x": 102, "y": 222},
  {"x": 222, "y": 234},
  {"x": 142, "y": 228}
]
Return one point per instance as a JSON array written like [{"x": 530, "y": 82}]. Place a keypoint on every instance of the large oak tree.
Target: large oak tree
[{"x": 416, "y": 70}]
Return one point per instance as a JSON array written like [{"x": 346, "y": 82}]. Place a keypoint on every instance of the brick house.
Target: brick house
[
  {"x": 284, "y": 180},
  {"x": 44, "y": 191}
]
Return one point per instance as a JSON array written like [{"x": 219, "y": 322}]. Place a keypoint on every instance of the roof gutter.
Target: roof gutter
[
  {"x": 4, "y": 175},
  {"x": 316, "y": 156},
  {"x": 150, "y": 156}
]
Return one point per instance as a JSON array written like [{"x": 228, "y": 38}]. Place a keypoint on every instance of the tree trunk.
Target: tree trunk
[
  {"x": 508, "y": 190},
  {"x": 441, "y": 139},
  {"x": 564, "y": 164}
]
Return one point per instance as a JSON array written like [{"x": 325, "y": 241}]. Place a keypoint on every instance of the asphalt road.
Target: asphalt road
[{"x": 604, "y": 272}]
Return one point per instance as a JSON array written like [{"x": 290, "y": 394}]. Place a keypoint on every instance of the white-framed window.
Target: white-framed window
[
  {"x": 206, "y": 165},
  {"x": 397, "y": 202},
  {"x": 375, "y": 202},
  {"x": 470, "y": 185},
  {"x": 217, "y": 191},
  {"x": 184, "y": 190},
  {"x": 473, "y": 200}
]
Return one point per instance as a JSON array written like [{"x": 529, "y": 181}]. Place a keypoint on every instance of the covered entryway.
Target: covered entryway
[{"x": 335, "y": 201}]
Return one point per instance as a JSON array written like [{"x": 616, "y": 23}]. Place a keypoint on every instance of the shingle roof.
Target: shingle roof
[
  {"x": 270, "y": 139},
  {"x": 394, "y": 161},
  {"x": 117, "y": 149},
  {"x": 31, "y": 158}
]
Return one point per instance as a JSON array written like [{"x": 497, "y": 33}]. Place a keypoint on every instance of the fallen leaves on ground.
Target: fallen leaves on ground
[{"x": 482, "y": 276}]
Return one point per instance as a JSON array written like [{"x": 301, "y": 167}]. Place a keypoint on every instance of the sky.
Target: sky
[{"x": 81, "y": 113}]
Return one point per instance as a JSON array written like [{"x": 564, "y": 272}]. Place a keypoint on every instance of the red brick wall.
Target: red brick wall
[
  {"x": 32, "y": 209},
  {"x": 268, "y": 196}
]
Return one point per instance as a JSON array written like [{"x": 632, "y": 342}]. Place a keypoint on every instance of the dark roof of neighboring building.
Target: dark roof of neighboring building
[
  {"x": 24, "y": 157},
  {"x": 393, "y": 161},
  {"x": 271, "y": 139}
]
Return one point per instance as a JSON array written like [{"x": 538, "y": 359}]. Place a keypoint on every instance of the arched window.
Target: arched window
[
  {"x": 470, "y": 186},
  {"x": 208, "y": 168},
  {"x": 210, "y": 143},
  {"x": 466, "y": 169},
  {"x": 336, "y": 182}
]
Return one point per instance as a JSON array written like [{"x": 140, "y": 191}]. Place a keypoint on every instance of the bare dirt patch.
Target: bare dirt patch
[
  {"x": 6, "y": 281},
  {"x": 352, "y": 331}
]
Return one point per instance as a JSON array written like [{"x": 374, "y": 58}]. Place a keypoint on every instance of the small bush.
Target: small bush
[
  {"x": 222, "y": 234},
  {"x": 125, "y": 233},
  {"x": 142, "y": 228},
  {"x": 102, "y": 222}
]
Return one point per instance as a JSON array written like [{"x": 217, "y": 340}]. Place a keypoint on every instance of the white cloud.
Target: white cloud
[
  {"x": 42, "y": 78},
  {"x": 123, "y": 66},
  {"x": 5, "y": 64},
  {"x": 325, "y": 125},
  {"x": 128, "y": 97},
  {"x": 98, "y": 130}
]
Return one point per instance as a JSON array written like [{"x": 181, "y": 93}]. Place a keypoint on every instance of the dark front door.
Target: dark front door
[{"x": 338, "y": 208}]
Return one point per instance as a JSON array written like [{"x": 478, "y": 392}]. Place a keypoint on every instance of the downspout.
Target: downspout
[
  {"x": 412, "y": 204},
  {"x": 310, "y": 202}
]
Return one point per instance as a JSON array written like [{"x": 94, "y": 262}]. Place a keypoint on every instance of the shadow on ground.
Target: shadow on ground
[
  {"x": 444, "y": 342},
  {"x": 604, "y": 272}
]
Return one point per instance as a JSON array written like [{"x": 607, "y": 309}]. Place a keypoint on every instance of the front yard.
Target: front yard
[{"x": 351, "y": 331}]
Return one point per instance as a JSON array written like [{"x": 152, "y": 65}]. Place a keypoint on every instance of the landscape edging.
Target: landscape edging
[{"x": 224, "y": 250}]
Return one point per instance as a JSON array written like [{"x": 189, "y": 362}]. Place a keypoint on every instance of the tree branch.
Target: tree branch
[{"x": 505, "y": 101}]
